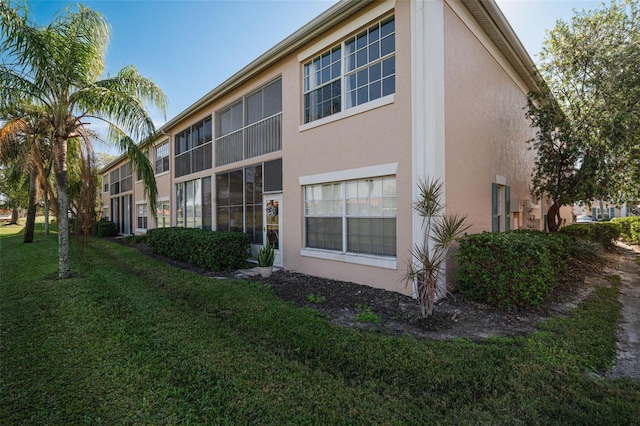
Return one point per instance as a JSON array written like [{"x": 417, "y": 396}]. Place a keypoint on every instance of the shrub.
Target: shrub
[
  {"x": 104, "y": 228},
  {"x": 586, "y": 250},
  {"x": 626, "y": 224},
  {"x": 604, "y": 233},
  {"x": 510, "y": 269},
  {"x": 214, "y": 250},
  {"x": 559, "y": 245},
  {"x": 635, "y": 232}
]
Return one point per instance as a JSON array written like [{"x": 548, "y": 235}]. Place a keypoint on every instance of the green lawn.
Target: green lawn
[{"x": 132, "y": 340}]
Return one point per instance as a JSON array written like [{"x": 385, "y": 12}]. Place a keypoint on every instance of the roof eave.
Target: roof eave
[
  {"x": 493, "y": 22},
  {"x": 335, "y": 14}
]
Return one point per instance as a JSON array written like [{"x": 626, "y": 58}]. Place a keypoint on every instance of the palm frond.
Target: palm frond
[
  {"x": 116, "y": 107},
  {"x": 430, "y": 194},
  {"x": 449, "y": 229}
]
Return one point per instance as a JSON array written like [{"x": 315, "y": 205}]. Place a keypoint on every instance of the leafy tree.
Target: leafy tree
[
  {"x": 59, "y": 68},
  {"x": 588, "y": 121}
]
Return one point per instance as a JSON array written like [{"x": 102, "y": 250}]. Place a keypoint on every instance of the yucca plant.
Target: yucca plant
[
  {"x": 266, "y": 255},
  {"x": 426, "y": 267}
]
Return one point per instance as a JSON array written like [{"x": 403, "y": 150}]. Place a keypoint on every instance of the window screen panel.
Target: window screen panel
[{"x": 273, "y": 175}]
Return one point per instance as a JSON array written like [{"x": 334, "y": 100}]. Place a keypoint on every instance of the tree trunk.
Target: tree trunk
[
  {"x": 553, "y": 217},
  {"x": 30, "y": 226},
  {"x": 63, "y": 207},
  {"x": 46, "y": 213},
  {"x": 14, "y": 216}
]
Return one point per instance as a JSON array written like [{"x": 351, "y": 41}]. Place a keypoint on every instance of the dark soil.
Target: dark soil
[{"x": 453, "y": 317}]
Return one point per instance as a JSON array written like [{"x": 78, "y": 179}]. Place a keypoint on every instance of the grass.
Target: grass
[
  {"x": 315, "y": 298},
  {"x": 130, "y": 339},
  {"x": 365, "y": 314}
]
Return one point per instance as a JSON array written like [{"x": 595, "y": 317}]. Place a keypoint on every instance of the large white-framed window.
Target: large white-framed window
[
  {"x": 162, "y": 157},
  {"x": 360, "y": 69},
  {"x": 141, "y": 216},
  {"x": 355, "y": 217}
]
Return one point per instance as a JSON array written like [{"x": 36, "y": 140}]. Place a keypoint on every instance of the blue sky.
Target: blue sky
[{"x": 188, "y": 47}]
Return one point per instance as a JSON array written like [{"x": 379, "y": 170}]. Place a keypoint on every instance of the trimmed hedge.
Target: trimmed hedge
[
  {"x": 104, "y": 228},
  {"x": 605, "y": 233},
  {"x": 510, "y": 269},
  {"x": 629, "y": 228},
  {"x": 214, "y": 250}
]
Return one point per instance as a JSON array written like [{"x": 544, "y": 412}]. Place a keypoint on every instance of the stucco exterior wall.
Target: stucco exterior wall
[
  {"x": 484, "y": 135},
  {"x": 486, "y": 128},
  {"x": 376, "y": 137}
]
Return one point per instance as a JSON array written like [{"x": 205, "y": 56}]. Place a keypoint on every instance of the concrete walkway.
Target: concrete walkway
[{"x": 627, "y": 364}]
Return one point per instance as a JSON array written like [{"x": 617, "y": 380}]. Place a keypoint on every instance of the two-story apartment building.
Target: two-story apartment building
[{"x": 318, "y": 145}]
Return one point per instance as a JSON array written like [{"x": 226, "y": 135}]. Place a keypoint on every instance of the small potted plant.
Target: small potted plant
[{"x": 266, "y": 256}]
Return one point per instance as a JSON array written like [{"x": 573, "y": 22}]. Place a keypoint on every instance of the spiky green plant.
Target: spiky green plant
[
  {"x": 426, "y": 266},
  {"x": 266, "y": 255}
]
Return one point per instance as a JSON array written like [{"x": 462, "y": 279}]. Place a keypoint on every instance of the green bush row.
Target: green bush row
[
  {"x": 104, "y": 228},
  {"x": 215, "y": 250},
  {"x": 629, "y": 228},
  {"x": 510, "y": 269},
  {"x": 605, "y": 233}
]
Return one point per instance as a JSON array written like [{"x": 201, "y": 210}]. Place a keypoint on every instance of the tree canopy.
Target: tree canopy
[
  {"x": 60, "y": 68},
  {"x": 588, "y": 121}
]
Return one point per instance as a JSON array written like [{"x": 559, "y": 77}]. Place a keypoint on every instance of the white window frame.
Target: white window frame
[
  {"x": 345, "y": 110},
  {"x": 143, "y": 204},
  {"x": 343, "y": 176},
  {"x": 163, "y": 200},
  {"x": 160, "y": 146}
]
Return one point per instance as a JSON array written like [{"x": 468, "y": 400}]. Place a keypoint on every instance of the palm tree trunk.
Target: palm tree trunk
[
  {"x": 46, "y": 213},
  {"x": 30, "y": 226},
  {"x": 64, "y": 269},
  {"x": 15, "y": 216}
]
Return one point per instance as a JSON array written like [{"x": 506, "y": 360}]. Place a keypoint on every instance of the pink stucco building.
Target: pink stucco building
[{"x": 318, "y": 145}]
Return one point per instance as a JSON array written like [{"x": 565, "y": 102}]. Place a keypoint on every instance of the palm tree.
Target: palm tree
[
  {"x": 59, "y": 68},
  {"x": 426, "y": 268},
  {"x": 25, "y": 143}
]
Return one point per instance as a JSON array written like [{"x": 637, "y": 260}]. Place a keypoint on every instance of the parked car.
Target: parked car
[{"x": 584, "y": 219}]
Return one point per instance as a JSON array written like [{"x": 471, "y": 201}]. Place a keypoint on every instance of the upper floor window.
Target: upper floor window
[
  {"x": 105, "y": 183},
  {"x": 121, "y": 179},
  {"x": 162, "y": 157},
  {"x": 359, "y": 70}
]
